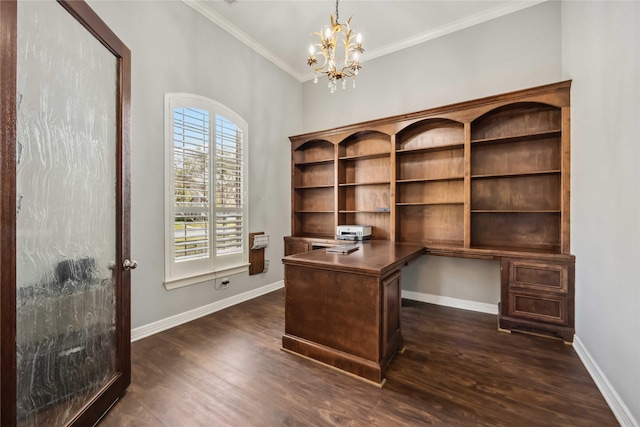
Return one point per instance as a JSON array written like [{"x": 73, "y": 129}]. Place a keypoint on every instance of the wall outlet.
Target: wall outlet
[{"x": 224, "y": 284}]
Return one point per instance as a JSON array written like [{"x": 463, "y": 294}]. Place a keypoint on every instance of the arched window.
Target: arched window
[{"x": 206, "y": 190}]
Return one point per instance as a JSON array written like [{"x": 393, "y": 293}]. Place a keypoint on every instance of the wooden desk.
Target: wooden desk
[{"x": 344, "y": 310}]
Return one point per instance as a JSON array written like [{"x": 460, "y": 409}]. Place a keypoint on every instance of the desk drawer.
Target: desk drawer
[
  {"x": 538, "y": 276},
  {"x": 549, "y": 308}
]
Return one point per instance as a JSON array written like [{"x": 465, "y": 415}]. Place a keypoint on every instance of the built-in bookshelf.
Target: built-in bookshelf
[
  {"x": 430, "y": 182},
  {"x": 486, "y": 178},
  {"x": 313, "y": 189},
  {"x": 364, "y": 182},
  {"x": 516, "y": 170}
]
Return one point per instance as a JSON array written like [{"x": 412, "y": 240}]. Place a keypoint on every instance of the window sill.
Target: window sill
[{"x": 200, "y": 278}]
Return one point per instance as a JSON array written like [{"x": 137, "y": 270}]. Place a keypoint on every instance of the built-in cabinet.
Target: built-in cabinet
[{"x": 487, "y": 178}]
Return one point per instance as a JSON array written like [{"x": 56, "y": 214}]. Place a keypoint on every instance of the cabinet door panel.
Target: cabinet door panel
[{"x": 540, "y": 307}]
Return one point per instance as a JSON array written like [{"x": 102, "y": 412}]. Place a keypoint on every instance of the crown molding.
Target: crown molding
[
  {"x": 226, "y": 25},
  {"x": 461, "y": 24}
]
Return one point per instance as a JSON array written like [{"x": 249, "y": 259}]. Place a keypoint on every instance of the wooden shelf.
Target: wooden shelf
[
  {"x": 363, "y": 211},
  {"x": 318, "y": 236},
  {"x": 408, "y": 151},
  {"x": 365, "y": 156},
  {"x": 409, "y": 181},
  {"x": 515, "y": 249},
  {"x": 313, "y": 212},
  {"x": 514, "y": 211},
  {"x": 314, "y": 162},
  {"x": 352, "y": 184},
  {"x": 312, "y": 187},
  {"x": 429, "y": 203},
  {"x": 438, "y": 244},
  {"x": 514, "y": 138},
  {"x": 516, "y": 174}
]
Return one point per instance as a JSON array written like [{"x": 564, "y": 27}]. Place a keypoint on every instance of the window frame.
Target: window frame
[{"x": 188, "y": 272}]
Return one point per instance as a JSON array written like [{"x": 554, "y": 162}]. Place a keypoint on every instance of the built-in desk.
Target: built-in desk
[
  {"x": 344, "y": 310},
  {"x": 487, "y": 179}
]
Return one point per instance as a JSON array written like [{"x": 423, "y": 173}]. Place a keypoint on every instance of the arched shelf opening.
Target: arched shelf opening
[
  {"x": 430, "y": 134},
  {"x": 513, "y": 121},
  {"x": 314, "y": 151},
  {"x": 367, "y": 143}
]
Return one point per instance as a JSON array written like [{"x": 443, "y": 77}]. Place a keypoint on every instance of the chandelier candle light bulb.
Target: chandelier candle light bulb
[{"x": 333, "y": 35}]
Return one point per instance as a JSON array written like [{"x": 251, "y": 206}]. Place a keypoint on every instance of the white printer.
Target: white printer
[{"x": 353, "y": 232}]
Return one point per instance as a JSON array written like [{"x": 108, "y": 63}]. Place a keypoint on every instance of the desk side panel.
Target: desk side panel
[{"x": 335, "y": 309}]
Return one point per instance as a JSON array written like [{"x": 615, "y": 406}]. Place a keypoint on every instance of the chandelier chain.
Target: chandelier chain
[{"x": 337, "y": 16}]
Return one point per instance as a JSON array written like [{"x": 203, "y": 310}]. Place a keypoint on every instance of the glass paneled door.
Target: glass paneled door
[{"x": 71, "y": 241}]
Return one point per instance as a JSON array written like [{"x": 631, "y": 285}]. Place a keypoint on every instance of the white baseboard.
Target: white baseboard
[
  {"x": 481, "y": 307},
  {"x": 170, "y": 322},
  {"x": 617, "y": 405}
]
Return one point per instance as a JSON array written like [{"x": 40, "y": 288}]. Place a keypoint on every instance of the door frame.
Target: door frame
[{"x": 97, "y": 406}]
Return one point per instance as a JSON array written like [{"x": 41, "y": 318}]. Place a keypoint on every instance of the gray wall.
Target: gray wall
[
  {"x": 175, "y": 49},
  {"x": 601, "y": 53},
  {"x": 513, "y": 52}
]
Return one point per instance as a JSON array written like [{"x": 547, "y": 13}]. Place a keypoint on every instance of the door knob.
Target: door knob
[{"x": 127, "y": 264}]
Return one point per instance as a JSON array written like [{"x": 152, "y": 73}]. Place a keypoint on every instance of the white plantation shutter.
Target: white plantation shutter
[
  {"x": 205, "y": 170},
  {"x": 229, "y": 188},
  {"x": 191, "y": 177}
]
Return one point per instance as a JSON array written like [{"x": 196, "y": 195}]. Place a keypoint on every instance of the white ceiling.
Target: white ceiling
[{"x": 282, "y": 30}]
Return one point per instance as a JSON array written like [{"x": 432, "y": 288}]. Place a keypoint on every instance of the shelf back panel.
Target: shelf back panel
[
  {"x": 431, "y": 165},
  {"x": 434, "y": 223},
  {"x": 516, "y": 157},
  {"x": 316, "y": 224},
  {"x": 537, "y": 231},
  {"x": 431, "y": 192},
  {"x": 364, "y": 198},
  {"x": 314, "y": 199},
  {"x": 536, "y": 192},
  {"x": 367, "y": 170},
  {"x": 313, "y": 175}
]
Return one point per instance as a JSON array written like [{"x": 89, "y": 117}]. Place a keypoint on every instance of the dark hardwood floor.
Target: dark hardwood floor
[{"x": 227, "y": 369}]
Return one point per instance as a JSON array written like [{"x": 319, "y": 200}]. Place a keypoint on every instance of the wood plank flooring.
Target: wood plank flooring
[{"x": 227, "y": 369}]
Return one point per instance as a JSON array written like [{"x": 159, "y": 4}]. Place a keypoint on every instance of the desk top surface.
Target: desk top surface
[{"x": 374, "y": 257}]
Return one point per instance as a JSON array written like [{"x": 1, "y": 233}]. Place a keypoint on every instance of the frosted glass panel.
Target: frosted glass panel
[{"x": 66, "y": 231}]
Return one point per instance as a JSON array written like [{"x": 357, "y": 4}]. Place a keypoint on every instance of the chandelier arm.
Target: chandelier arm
[
  {"x": 326, "y": 61},
  {"x": 347, "y": 72},
  {"x": 324, "y": 42}
]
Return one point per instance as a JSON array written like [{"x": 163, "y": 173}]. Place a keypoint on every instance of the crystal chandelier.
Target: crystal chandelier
[{"x": 330, "y": 37}]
